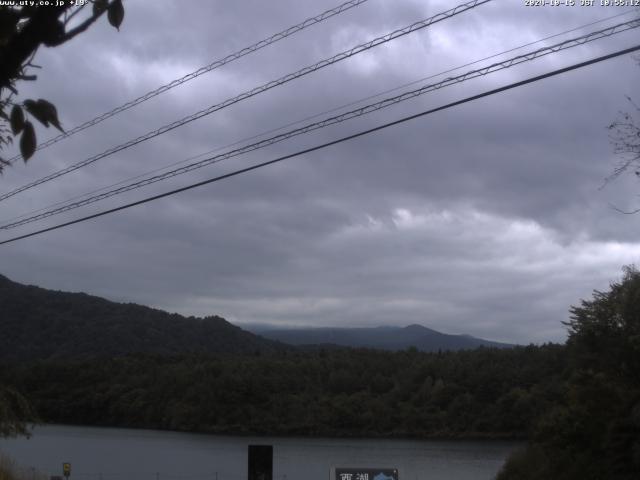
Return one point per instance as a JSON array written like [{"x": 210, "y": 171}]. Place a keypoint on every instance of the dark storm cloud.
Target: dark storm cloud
[{"x": 483, "y": 219}]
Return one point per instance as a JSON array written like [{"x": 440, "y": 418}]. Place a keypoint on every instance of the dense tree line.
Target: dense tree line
[
  {"x": 593, "y": 431},
  {"x": 481, "y": 393}
]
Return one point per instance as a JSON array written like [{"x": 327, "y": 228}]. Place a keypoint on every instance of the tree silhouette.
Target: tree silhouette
[
  {"x": 23, "y": 29},
  {"x": 624, "y": 135},
  {"x": 15, "y": 413}
]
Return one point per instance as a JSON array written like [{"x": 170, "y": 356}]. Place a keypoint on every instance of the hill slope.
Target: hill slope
[
  {"x": 36, "y": 323},
  {"x": 384, "y": 338}
]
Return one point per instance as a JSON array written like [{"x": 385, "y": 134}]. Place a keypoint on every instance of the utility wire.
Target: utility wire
[
  {"x": 311, "y": 117},
  {"x": 335, "y": 119},
  {"x": 333, "y": 142},
  {"x": 267, "y": 86},
  {"x": 208, "y": 68}
]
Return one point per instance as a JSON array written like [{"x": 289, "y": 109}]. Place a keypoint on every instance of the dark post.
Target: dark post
[{"x": 260, "y": 462}]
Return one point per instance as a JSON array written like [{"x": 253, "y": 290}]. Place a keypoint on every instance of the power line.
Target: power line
[
  {"x": 316, "y": 115},
  {"x": 267, "y": 86},
  {"x": 331, "y": 143},
  {"x": 206, "y": 69},
  {"x": 607, "y": 32},
  {"x": 337, "y": 119}
]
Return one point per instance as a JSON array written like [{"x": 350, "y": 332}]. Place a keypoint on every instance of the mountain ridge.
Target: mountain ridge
[
  {"x": 383, "y": 337},
  {"x": 37, "y": 323}
]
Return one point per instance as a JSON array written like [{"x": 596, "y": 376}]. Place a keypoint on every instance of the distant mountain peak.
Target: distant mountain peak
[
  {"x": 382, "y": 337},
  {"x": 414, "y": 327}
]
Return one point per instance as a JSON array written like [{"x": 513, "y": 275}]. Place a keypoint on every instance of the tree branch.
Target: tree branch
[
  {"x": 22, "y": 45},
  {"x": 74, "y": 13},
  {"x": 79, "y": 29}
]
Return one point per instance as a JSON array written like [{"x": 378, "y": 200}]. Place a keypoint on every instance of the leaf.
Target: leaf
[
  {"x": 28, "y": 141},
  {"x": 44, "y": 111},
  {"x": 50, "y": 113},
  {"x": 115, "y": 14},
  {"x": 99, "y": 6},
  {"x": 36, "y": 110},
  {"x": 53, "y": 33},
  {"x": 17, "y": 119}
]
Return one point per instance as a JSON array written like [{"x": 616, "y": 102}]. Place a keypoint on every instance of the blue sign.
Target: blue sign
[{"x": 366, "y": 474}]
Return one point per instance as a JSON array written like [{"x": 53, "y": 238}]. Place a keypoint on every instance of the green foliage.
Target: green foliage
[
  {"x": 594, "y": 431},
  {"x": 15, "y": 413},
  {"x": 335, "y": 393}
]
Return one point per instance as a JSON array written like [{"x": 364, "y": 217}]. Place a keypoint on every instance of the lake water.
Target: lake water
[{"x": 123, "y": 454}]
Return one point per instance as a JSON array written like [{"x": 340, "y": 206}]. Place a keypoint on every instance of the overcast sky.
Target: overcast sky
[{"x": 486, "y": 219}]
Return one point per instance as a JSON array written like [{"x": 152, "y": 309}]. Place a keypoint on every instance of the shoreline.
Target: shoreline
[{"x": 235, "y": 434}]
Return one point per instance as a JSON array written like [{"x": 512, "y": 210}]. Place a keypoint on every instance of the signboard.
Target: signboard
[
  {"x": 66, "y": 469},
  {"x": 366, "y": 474},
  {"x": 260, "y": 462}
]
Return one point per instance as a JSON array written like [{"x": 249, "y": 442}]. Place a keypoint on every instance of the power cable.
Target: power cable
[
  {"x": 328, "y": 144},
  {"x": 206, "y": 69},
  {"x": 267, "y": 86},
  {"x": 336, "y": 119},
  {"x": 316, "y": 115}
]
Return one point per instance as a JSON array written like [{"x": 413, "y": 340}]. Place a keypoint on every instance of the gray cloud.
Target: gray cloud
[{"x": 483, "y": 219}]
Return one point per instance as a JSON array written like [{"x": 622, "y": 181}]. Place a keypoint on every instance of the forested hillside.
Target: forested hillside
[
  {"x": 481, "y": 393},
  {"x": 578, "y": 404},
  {"x": 36, "y": 323}
]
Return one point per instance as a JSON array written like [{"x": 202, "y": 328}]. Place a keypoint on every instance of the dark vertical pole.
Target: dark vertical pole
[{"x": 260, "y": 462}]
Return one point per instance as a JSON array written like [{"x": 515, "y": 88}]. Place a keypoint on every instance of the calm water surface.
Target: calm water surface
[{"x": 122, "y": 454}]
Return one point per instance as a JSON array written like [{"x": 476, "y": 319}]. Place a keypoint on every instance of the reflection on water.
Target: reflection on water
[{"x": 123, "y": 454}]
